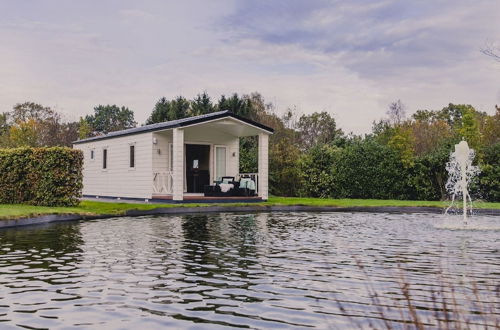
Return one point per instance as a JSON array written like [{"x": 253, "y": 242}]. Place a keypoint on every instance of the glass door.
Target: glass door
[{"x": 220, "y": 162}]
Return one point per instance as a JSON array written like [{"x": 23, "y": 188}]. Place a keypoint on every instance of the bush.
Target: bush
[
  {"x": 41, "y": 176},
  {"x": 489, "y": 178},
  {"x": 316, "y": 171},
  {"x": 367, "y": 169},
  {"x": 427, "y": 176}
]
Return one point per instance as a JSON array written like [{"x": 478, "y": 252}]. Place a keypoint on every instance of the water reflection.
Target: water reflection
[{"x": 240, "y": 270}]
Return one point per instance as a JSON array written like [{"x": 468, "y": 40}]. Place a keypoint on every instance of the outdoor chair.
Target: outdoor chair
[{"x": 228, "y": 187}]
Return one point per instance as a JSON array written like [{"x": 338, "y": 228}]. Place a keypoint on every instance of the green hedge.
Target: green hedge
[
  {"x": 367, "y": 169},
  {"x": 41, "y": 176}
]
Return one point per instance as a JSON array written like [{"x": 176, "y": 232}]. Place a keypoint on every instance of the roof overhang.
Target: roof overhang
[
  {"x": 231, "y": 126},
  {"x": 224, "y": 120}
]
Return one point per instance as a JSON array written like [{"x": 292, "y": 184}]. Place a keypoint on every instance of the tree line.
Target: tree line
[{"x": 401, "y": 158}]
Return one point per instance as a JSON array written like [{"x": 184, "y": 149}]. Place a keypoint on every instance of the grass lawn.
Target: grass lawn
[{"x": 96, "y": 208}]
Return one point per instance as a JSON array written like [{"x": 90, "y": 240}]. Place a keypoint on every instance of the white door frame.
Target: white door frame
[
  {"x": 209, "y": 161},
  {"x": 215, "y": 158}
]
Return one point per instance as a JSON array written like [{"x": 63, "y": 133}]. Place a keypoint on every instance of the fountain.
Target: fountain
[{"x": 460, "y": 172}]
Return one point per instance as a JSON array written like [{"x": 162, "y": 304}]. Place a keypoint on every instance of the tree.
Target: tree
[
  {"x": 30, "y": 110},
  {"x": 201, "y": 105},
  {"x": 4, "y": 129},
  {"x": 235, "y": 104},
  {"x": 109, "y": 118},
  {"x": 34, "y": 125},
  {"x": 425, "y": 115},
  {"x": 179, "y": 108},
  {"x": 317, "y": 128},
  {"x": 161, "y": 112},
  {"x": 402, "y": 142},
  {"x": 491, "y": 129},
  {"x": 397, "y": 112},
  {"x": 84, "y": 129},
  {"x": 453, "y": 113},
  {"x": 469, "y": 129},
  {"x": 25, "y": 134},
  {"x": 492, "y": 51},
  {"x": 429, "y": 135},
  {"x": 68, "y": 133}
]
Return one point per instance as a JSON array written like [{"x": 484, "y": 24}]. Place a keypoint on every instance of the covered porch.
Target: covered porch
[{"x": 189, "y": 160}]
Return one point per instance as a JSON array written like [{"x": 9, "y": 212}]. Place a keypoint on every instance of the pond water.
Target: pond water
[{"x": 265, "y": 270}]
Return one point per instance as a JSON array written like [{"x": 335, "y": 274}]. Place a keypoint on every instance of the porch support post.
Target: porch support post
[
  {"x": 178, "y": 164},
  {"x": 263, "y": 159}
]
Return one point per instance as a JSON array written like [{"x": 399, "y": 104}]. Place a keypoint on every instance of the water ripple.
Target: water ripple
[{"x": 277, "y": 270}]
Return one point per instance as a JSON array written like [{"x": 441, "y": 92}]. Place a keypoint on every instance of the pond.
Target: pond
[{"x": 262, "y": 270}]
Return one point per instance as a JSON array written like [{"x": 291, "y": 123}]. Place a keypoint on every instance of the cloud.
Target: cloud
[
  {"x": 373, "y": 38},
  {"x": 351, "y": 58}
]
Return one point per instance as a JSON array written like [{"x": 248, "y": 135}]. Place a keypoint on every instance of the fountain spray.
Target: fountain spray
[{"x": 460, "y": 172}]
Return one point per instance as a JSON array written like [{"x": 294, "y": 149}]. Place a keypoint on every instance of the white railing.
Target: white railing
[
  {"x": 253, "y": 176},
  {"x": 162, "y": 183}
]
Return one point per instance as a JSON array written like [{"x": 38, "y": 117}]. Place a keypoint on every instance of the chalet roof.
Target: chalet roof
[{"x": 176, "y": 123}]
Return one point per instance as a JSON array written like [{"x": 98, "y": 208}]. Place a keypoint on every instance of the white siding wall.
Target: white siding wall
[
  {"x": 233, "y": 162},
  {"x": 161, "y": 157},
  {"x": 118, "y": 180}
]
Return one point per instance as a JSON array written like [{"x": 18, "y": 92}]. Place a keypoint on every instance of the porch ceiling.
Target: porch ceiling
[{"x": 227, "y": 126}]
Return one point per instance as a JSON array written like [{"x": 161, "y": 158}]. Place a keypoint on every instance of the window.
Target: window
[
  {"x": 220, "y": 162},
  {"x": 104, "y": 158},
  {"x": 132, "y": 156},
  {"x": 171, "y": 156},
  {"x": 92, "y": 154}
]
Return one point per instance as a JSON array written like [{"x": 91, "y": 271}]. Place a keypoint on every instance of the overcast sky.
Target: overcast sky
[{"x": 350, "y": 58}]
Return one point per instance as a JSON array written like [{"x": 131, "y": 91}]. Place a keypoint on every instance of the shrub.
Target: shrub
[
  {"x": 41, "y": 176},
  {"x": 489, "y": 179},
  {"x": 316, "y": 171},
  {"x": 367, "y": 169},
  {"x": 427, "y": 177}
]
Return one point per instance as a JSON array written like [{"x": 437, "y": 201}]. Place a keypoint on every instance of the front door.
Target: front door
[{"x": 197, "y": 167}]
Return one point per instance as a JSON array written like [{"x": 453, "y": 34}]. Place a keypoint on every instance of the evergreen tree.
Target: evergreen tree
[
  {"x": 179, "y": 108},
  {"x": 235, "y": 104},
  {"x": 201, "y": 105},
  {"x": 161, "y": 112}
]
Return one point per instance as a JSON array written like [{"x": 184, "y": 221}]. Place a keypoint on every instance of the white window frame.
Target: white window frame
[
  {"x": 107, "y": 159},
  {"x": 215, "y": 159},
  {"x": 170, "y": 157},
  {"x": 132, "y": 144}
]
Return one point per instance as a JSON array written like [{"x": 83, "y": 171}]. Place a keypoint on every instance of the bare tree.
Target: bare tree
[
  {"x": 492, "y": 50},
  {"x": 397, "y": 112}
]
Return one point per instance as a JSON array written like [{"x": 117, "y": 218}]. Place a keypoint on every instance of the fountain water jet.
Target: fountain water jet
[{"x": 460, "y": 172}]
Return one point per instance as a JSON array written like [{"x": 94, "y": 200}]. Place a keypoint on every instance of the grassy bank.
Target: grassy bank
[{"x": 97, "y": 208}]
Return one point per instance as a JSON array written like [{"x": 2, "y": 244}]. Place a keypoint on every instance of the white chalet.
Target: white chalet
[{"x": 172, "y": 160}]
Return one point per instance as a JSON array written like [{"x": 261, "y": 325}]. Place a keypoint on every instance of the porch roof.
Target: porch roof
[{"x": 190, "y": 121}]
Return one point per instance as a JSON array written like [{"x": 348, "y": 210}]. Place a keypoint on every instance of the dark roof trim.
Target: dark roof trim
[{"x": 176, "y": 123}]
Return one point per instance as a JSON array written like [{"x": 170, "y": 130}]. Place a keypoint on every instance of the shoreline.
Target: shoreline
[{"x": 51, "y": 218}]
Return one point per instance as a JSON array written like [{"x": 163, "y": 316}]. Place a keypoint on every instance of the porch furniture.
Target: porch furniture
[{"x": 228, "y": 187}]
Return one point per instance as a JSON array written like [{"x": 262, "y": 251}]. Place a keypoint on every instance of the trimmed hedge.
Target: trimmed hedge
[{"x": 41, "y": 176}]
